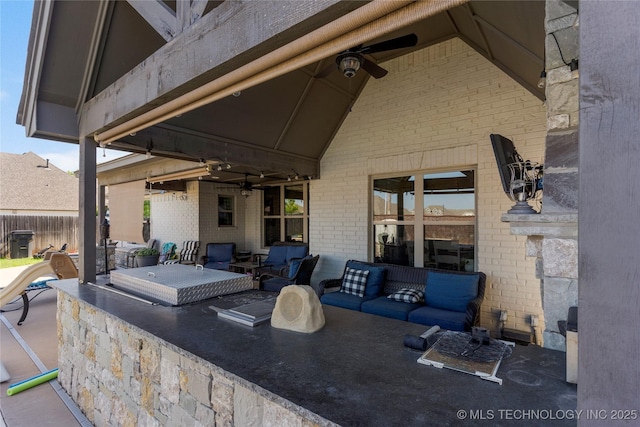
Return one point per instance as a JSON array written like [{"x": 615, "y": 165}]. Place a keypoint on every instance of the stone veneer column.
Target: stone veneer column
[
  {"x": 553, "y": 236},
  {"x": 559, "y": 249}
]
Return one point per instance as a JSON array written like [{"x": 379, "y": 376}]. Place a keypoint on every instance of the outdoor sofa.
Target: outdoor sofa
[{"x": 428, "y": 296}]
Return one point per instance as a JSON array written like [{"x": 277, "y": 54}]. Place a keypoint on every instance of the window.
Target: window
[
  {"x": 225, "y": 211},
  {"x": 446, "y": 226},
  {"x": 285, "y": 214}
]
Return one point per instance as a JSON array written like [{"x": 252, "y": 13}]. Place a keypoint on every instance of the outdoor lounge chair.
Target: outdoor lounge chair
[
  {"x": 219, "y": 256},
  {"x": 40, "y": 253},
  {"x": 188, "y": 254},
  {"x": 299, "y": 273},
  {"x": 55, "y": 264},
  {"x": 167, "y": 252}
]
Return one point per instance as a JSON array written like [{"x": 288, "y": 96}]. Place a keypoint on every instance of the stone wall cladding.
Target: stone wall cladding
[
  {"x": 435, "y": 109},
  {"x": 120, "y": 375}
]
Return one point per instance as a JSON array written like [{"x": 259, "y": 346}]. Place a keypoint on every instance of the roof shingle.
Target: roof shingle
[{"x": 26, "y": 183}]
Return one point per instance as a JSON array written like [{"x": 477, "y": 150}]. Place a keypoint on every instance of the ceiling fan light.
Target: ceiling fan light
[
  {"x": 245, "y": 192},
  {"x": 349, "y": 64}
]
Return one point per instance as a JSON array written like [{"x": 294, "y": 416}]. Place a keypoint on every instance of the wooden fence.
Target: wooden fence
[{"x": 55, "y": 230}]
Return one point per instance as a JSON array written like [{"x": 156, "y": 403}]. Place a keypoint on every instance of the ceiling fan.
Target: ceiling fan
[
  {"x": 351, "y": 60},
  {"x": 246, "y": 187}
]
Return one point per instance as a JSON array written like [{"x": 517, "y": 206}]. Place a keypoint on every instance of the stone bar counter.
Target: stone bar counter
[{"x": 126, "y": 362}]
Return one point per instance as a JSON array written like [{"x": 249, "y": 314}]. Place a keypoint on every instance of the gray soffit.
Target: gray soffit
[{"x": 102, "y": 58}]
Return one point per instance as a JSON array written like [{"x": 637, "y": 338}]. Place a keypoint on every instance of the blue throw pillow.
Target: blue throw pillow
[
  {"x": 375, "y": 281},
  {"x": 451, "y": 291},
  {"x": 294, "y": 265},
  {"x": 354, "y": 282}
]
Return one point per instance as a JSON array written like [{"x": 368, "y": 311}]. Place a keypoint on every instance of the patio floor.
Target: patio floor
[{"x": 39, "y": 405}]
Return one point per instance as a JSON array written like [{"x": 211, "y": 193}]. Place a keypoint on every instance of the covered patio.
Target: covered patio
[{"x": 236, "y": 99}]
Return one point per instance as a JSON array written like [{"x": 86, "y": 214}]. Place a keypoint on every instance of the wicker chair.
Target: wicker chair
[
  {"x": 297, "y": 275},
  {"x": 219, "y": 255}
]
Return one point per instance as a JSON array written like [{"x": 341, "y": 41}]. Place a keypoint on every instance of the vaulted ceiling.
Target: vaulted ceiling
[{"x": 108, "y": 54}]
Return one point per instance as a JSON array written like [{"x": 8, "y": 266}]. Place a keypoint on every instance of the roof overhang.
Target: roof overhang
[{"x": 124, "y": 83}]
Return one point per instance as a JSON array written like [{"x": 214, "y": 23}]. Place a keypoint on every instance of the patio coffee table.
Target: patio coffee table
[{"x": 245, "y": 267}]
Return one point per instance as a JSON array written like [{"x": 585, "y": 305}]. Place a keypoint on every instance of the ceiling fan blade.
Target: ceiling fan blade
[
  {"x": 398, "y": 43},
  {"x": 374, "y": 69}
]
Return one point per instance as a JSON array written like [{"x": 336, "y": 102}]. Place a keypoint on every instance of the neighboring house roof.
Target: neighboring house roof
[{"x": 29, "y": 182}]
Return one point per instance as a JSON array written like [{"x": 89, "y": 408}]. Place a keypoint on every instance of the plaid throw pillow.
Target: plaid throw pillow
[
  {"x": 407, "y": 295},
  {"x": 354, "y": 282}
]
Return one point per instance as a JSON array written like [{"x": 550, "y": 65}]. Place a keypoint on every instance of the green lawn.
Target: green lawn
[{"x": 6, "y": 263}]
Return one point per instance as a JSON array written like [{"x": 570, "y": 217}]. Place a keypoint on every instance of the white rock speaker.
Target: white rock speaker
[{"x": 298, "y": 309}]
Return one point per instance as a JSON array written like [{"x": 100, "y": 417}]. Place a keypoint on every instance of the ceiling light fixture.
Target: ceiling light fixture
[
  {"x": 219, "y": 167},
  {"x": 261, "y": 174},
  {"x": 289, "y": 178},
  {"x": 542, "y": 82},
  {"x": 349, "y": 63}
]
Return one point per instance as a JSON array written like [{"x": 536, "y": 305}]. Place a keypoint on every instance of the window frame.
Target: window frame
[
  {"x": 232, "y": 211},
  {"x": 418, "y": 222},
  {"x": 283, "y": 216}
]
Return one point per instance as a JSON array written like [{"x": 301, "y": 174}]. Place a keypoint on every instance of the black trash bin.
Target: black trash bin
[{"x": 22, "y": 244}]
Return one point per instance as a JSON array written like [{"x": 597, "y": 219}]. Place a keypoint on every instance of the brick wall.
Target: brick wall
[
  {"x": 174, "y": 215},
  {"x": 209, "y": 230},
  {"x": 435, "y": 109}
]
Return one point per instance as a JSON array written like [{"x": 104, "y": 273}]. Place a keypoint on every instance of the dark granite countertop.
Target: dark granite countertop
[{"x": 356, "y": 370}]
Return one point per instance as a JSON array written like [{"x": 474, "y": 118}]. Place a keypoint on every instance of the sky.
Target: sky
[{"x": 15, "y": 24}]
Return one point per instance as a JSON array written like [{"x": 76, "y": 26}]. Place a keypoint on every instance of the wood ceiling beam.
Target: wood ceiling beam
[
  {"x": 189, "y": 61},
  {"x": 160, "y": 16}
]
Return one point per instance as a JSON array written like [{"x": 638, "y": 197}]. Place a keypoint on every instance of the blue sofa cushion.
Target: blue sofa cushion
[
  {"x": 409, "y": 295},
  {"x": 383, "y": 306},
  {"x": 295, "y": 251},
  {"x": 431, "y": 316},
  {"x": 215, "y": 265},
  {"x": 343, "y": 300},
  {"x": 451, "y": 291},
  {"x": 354, "y": 282},
  {"x": 277, "y": 256},
  {"x": 375, "y": 281}
]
